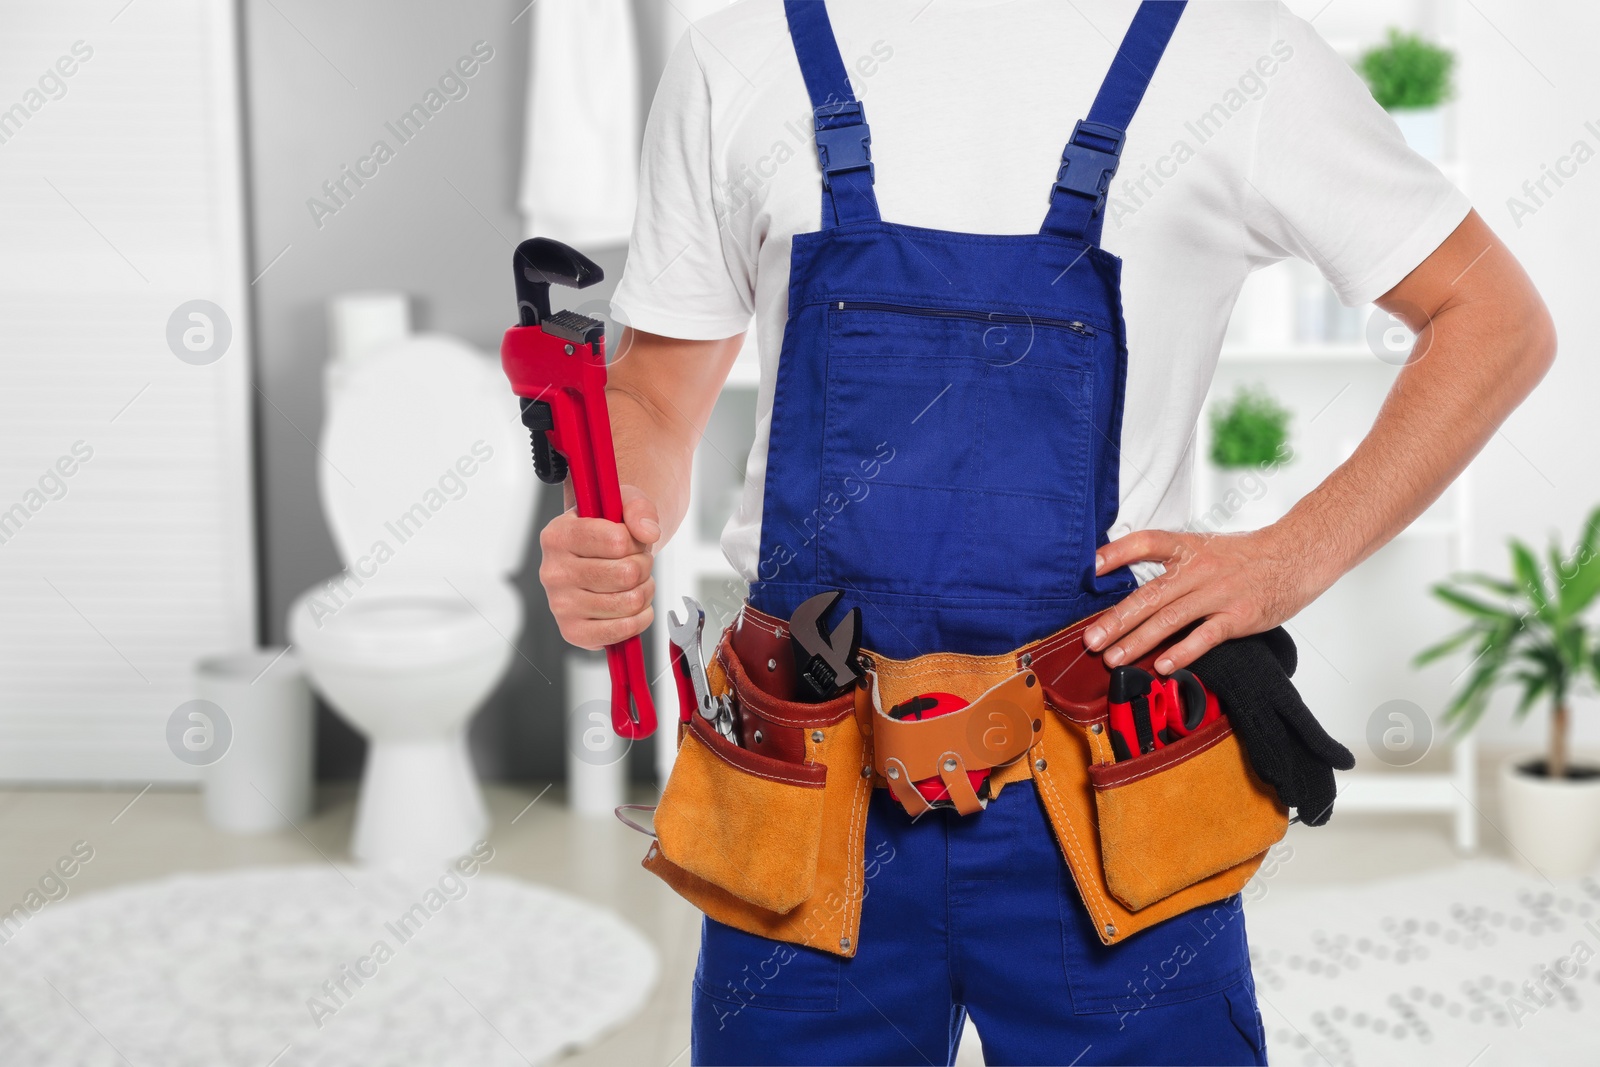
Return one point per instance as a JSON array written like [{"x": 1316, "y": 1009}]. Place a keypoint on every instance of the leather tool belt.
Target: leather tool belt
[{"x": 770, "y": 837}]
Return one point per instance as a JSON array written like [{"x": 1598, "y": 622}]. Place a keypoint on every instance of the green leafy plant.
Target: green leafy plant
[
  {"x": 1408, "y": 72},
  {"x": 1249, "y": 430},
  {"x": 1527, "y": 631}
]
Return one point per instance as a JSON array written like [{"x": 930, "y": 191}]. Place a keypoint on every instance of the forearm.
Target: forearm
[
  {"x": 655, "y": 453},
  {"x": 1478, "y": 354},
  {"x": 660, "y": 394},
  {"x": 1484, "y": 340}
]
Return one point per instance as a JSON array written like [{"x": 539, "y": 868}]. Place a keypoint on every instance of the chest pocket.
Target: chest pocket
[{"x": 957, "y": 453}]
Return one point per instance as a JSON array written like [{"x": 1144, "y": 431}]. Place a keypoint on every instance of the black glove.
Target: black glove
[{"x": 1288, "y": 748}]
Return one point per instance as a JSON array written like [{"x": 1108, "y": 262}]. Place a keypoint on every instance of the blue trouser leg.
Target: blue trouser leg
[
  {"x": 979, "y": 914},
  {"x": 892, "y": 1003}
]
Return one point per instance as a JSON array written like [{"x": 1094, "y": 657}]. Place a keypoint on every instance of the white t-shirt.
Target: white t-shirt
[{"x": 1255, "y": 142}]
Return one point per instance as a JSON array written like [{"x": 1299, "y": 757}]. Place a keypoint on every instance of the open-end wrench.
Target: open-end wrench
[
  {"x": 689, "y": 661},
  {"x": 828, "y": 663},
  {"x": 685, "y": 638}
]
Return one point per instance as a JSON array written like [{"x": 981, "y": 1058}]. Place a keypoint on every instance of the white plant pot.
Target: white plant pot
[
  {"x": 1553, "y": 826},
  {"x": 1423, "y": 129}
]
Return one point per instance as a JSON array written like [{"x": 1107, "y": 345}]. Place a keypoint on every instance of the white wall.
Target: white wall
[{"x": 1529, "y": 84}]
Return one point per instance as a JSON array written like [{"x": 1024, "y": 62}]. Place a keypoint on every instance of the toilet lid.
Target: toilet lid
[{"x": 425, "y": 466}]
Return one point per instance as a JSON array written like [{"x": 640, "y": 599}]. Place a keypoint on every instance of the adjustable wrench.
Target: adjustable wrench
[{"x": 828, "y": 663}]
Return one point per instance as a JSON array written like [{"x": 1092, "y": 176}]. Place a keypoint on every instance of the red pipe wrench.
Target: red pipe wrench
[{"x": 557, "y": 365}]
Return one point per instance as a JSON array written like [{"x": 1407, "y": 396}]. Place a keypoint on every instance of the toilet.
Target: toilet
[{"x": 428, "y": 489}]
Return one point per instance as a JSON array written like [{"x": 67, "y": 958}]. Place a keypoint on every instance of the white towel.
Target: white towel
[{"x": 580, "y": 171}]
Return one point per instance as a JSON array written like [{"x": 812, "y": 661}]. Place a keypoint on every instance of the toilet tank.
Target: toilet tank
[{"x": 425, "y": 466}]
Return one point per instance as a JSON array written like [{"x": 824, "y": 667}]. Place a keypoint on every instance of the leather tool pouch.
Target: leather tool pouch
[
  {"x": 1180, "y": 814},
  {"x": 746, "y": 822},
  {"x": 1154, "y": 836},
  {"x": 992, "y": 731},
  {"x": 769, "y": 839}
]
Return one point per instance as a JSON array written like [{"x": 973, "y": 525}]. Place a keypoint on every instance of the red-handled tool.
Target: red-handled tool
[
  {"x": 557, "y": 365},
  {"x": 1146, "y": 713},
  {"x": 1192, "y": 705},
  {"x": 1136, "y": 711},
  {"x": 931, "y": 706}
]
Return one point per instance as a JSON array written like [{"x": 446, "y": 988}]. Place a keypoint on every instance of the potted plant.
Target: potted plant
[
  {"x": 1249, "y": 443},
  {"x": 1530, "y": 632},
  {"x": 1411, "y": 79}
]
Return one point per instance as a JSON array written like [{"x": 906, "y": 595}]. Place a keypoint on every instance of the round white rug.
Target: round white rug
[
  {"x": 317, "y": 967},
  {"x": 1481, "y": 964}
]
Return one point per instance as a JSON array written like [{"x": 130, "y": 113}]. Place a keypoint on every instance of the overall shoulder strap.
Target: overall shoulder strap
[
  {"x": 843, "y": 138},
  {"x": 1078, "y": 199}
]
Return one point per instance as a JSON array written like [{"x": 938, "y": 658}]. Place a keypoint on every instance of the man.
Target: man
[{"x": 981, "y": 440}]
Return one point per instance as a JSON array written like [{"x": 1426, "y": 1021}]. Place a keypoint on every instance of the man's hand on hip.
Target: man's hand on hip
[
  {"x": 1484, "y": 339},
  {"x": 1233, "y": 584}
]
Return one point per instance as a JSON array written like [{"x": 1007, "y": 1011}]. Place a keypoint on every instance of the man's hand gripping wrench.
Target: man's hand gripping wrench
[
  {"x": 557, "y": 365},
  {"x": 689, "y": 668}
]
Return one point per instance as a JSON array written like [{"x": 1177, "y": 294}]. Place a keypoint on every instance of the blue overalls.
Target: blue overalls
[{"x": 944, "y": 449}]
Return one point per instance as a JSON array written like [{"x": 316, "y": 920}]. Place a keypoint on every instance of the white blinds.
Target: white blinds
[{"x": 125, "y": 516}]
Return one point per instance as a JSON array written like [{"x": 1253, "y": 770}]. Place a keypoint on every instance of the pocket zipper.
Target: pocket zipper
[{"x": 947, "y": 313}]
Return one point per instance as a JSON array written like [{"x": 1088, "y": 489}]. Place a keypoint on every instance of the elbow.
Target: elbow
[{"x": 1538, "y": 347}]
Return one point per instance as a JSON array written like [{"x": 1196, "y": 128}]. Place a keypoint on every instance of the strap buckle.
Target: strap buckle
[
  {"x": 1089, "y": 161},
  {"x": 846, "y": 145}
]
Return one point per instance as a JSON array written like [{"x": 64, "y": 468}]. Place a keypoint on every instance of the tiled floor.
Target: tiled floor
[{"x": 141, "y": 836}]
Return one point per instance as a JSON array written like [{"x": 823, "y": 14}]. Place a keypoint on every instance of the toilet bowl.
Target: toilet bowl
[{"x": 428, "y": 491}]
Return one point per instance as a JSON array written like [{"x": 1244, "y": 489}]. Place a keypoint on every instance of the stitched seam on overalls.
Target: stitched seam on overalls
[{"x": 971, "y": 310}]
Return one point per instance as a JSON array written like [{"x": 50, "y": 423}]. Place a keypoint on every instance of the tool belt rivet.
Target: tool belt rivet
[
  {"x": 1096, "y": 728},
  {"x": 844, "y": 942},
  {"x": 816, "y": 735},
  {"x": 949, "y": 764},
  {"x": 866, "y": 772},
  {"x": 772, "y": 664},
  {"x": 894, "y": 772},
  {"x": 759, "y": 738},
  {"x": 1111, "y": 929},
  {"x": 1039, "y": 765},
  {"x": 1027, "y": 660}
]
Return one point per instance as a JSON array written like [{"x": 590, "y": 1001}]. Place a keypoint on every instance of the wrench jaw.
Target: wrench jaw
[
  {"x": 827, "y": 663},
  {"x": 726, "y": 720},
  {"x": 686, "y": 638}
]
